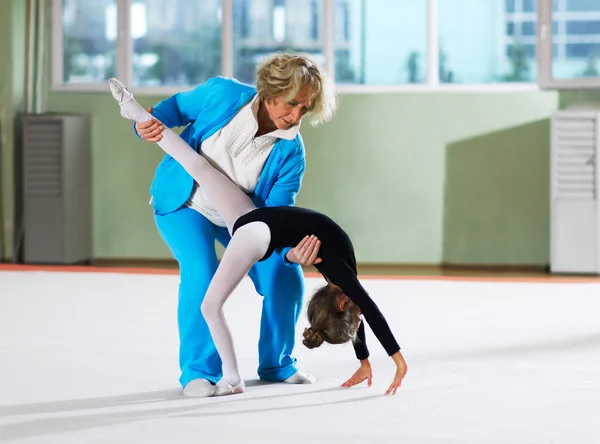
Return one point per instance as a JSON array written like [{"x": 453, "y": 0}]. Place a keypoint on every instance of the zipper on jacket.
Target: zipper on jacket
[{"x": 267, "y": 189}]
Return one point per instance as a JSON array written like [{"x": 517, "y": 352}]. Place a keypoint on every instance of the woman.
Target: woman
[
  {"x": 258, "y": 145},
  {"x": 256, "y": 233}
]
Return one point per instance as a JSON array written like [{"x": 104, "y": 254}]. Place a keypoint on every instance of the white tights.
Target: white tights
[{"x": 248, "y": 245}]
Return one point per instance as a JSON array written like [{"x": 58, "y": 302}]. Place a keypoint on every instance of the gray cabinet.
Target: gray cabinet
[{"x": 57, "y": 185}]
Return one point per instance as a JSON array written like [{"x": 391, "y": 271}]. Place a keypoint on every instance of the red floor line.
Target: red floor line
[
  {"x": 166, "y": 271},
  {"x": 86, "y": 269}
]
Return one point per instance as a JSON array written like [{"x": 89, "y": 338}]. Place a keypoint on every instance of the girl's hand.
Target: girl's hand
[
  {"x": 363, "y": 373},
  {"x": 401, "y": 369}
]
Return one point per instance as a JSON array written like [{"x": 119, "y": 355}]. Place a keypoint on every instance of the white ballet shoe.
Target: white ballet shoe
[
  {"x": 198, "y": 388},
  {"x": 119, "y": 91},
  {"x": 300, "y": 378},
  {"x": 224, "y": 388}
]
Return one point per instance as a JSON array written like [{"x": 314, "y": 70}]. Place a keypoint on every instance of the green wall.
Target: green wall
[
  {"x": 387, "y": 167},
  {"x": 379, "y": 168},
  {"x": 497, "y": 189},
  {"x": 411, "y": 176},
  {"x": 579, "y": 97}
]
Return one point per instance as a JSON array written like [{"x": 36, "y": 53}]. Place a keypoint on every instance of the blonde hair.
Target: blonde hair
[{"x": 284, "y": 74}]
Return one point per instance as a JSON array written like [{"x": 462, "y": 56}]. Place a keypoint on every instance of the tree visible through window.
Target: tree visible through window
[{"x": 89, "y": 40}]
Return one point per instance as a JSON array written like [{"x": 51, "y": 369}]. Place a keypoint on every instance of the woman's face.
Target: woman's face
[{"x": 286, "y": 114}]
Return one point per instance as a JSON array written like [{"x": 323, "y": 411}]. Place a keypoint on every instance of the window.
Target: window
[
  {"x": 510, "y": 28},
  {"x": 175, "y": 48},
  {"x": 586, "y": 27},
  {"x": 489, "y": 49},
  {"x": 378, "y": 51},
  {"x": 414, "y": 44},
  {"x": 240, "y": 16},
  {"x": 571, "y": 54},
  {"x": 583, "y": 50},
  {"x": 276, "y": 25},
  {"x": 582, "y": 5},
  {"x": 345, "y": 16},
  {"x": 341, "y": 22},
  {"x": 528, "y": 29},
  {"x": 510, "y": 6},
  {"x": 89, "y": 32},
  {"x": 529, "y": 5},
  {"x": 315, "y": 21}
]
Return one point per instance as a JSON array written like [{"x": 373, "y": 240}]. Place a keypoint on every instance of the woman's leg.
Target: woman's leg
[
  {"x": 247, "y": 246},
  {"x": 191, "y": 239},
  {"x": 224, "y": 195}
]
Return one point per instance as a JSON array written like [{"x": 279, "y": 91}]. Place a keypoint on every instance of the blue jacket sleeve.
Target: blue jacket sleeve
[
  {"x": 286, "y": 188},
  {"x": 182, "y": 108}
]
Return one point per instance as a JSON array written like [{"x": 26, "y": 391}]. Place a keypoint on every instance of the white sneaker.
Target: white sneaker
[
  {"x": 300, "y": 378},
  {"x": 198, "y": 388}
]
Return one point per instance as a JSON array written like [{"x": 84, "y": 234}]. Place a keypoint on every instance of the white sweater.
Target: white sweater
[{"x": 235, "y": 151}]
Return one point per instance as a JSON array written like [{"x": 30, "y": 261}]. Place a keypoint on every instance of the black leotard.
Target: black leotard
[{"x": 289, "y": 225}]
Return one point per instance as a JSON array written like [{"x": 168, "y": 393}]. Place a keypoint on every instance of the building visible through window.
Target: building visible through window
[{"x": 575, "y": 29}]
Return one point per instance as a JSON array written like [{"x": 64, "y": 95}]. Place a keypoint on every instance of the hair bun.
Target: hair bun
[{"x": 312, "y": 338}]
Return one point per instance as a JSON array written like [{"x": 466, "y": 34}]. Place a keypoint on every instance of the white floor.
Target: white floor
[{"x": 92, "y": 358}]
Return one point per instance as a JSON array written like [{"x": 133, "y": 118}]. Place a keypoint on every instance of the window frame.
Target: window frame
[
  {"x": 545, "y": 41},
  {"x": 124, "y": 50}
]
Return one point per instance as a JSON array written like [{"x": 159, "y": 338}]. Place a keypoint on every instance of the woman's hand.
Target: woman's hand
[
  {"x": 305, "y": 253},
  {"x": 401, "y": 369},
  {"x": 363, "y": 372},
  {"x": 151, "y": 130}
]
